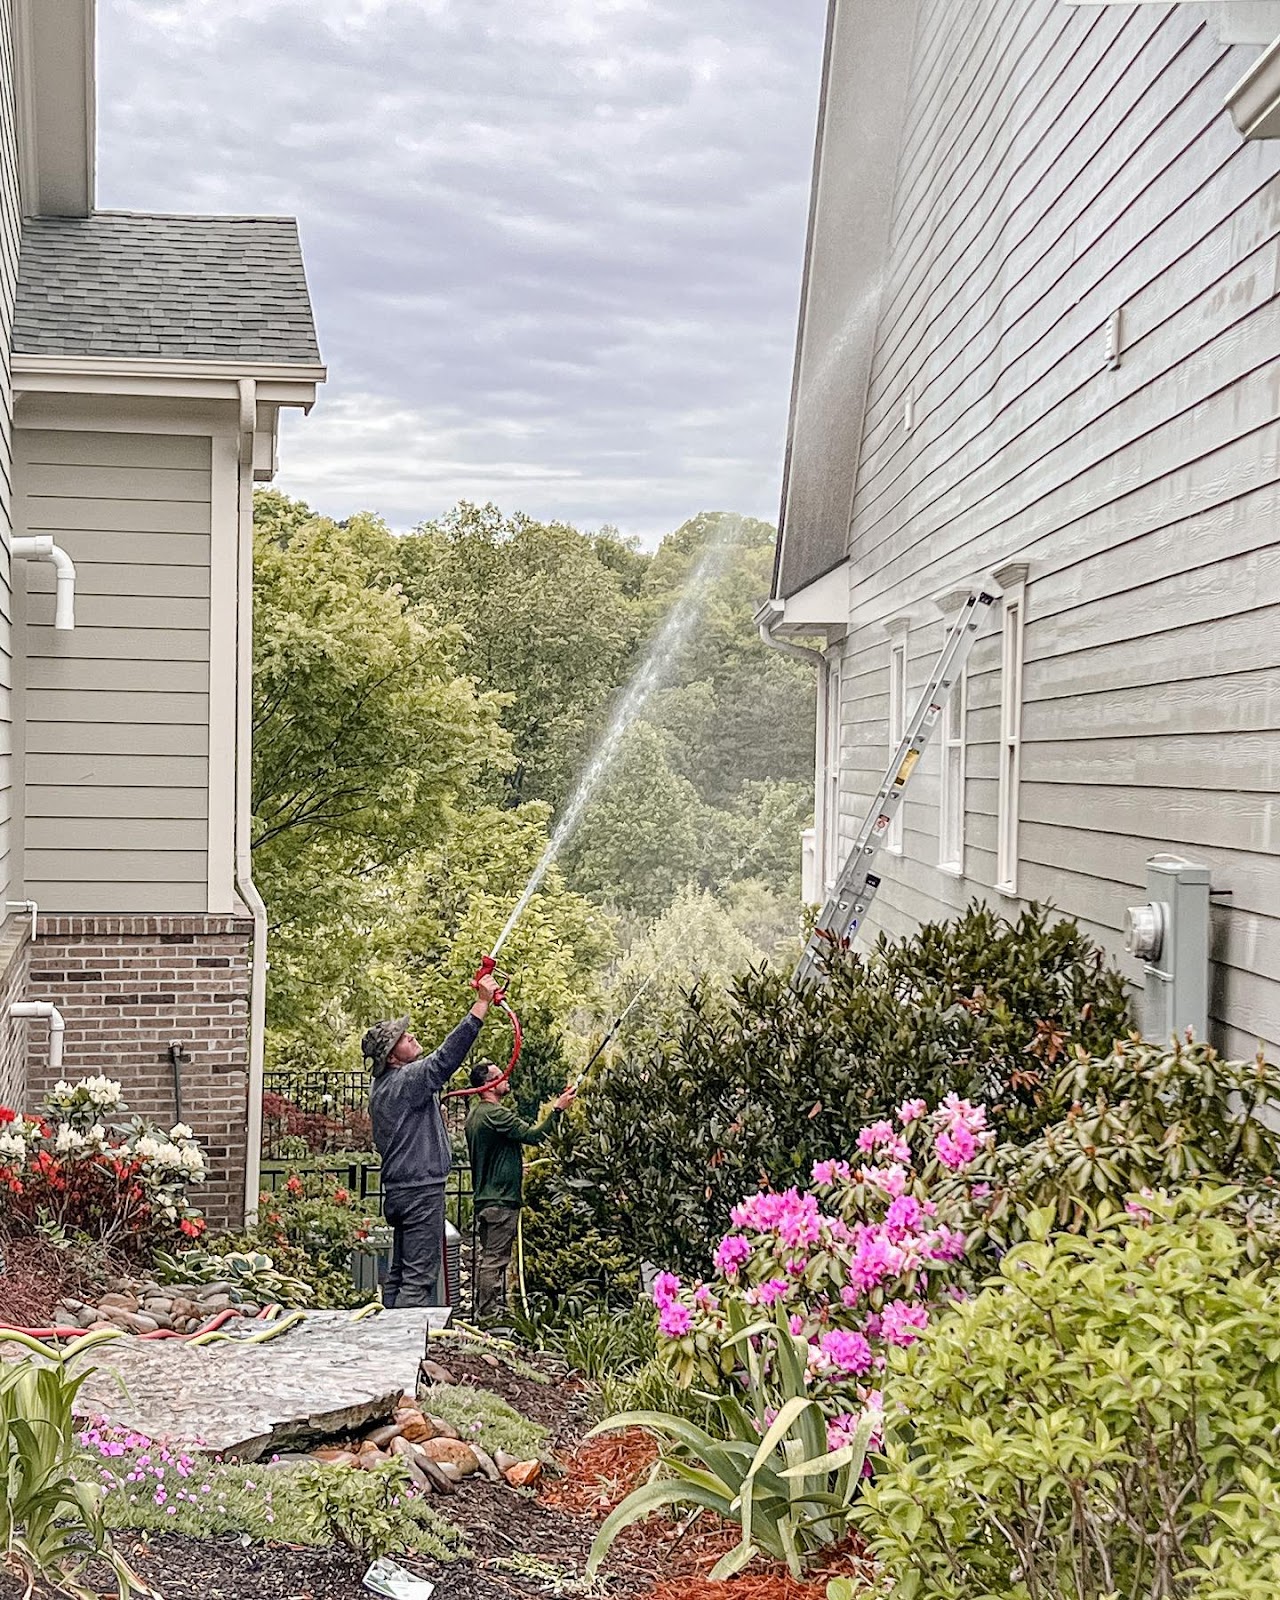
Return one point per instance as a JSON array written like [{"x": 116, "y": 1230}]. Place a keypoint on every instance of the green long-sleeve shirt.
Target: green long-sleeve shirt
[{"x": 495, "y": 1137}]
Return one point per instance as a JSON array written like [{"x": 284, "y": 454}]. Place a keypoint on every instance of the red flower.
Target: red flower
[
  {"x": 341, "y": 1197},
  {"x": 8, "y": 1115},
  {"x": 294, "y": 1185},
  {"x": 193, "y": 1227}
]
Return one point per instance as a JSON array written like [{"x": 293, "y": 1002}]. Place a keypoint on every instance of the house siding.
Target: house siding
[
  {"x": 1062, "y": 164},
  {"x": 117, "y": 712}
]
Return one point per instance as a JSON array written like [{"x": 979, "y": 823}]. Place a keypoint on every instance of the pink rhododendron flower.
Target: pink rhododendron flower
[
  {"x": 901, "y": 1323},
  {"x": 847, "y": 1352},
  {"x": 946, "y": 1244},
  {"x": 981, "y": 1191},
  {"x": 878, "y": 1133},
  {"x": 911, "y": 1111},
  {"x": 797, "y": 1324},
  {"x": 874, "y": 1259},
  {"x": 841, "y": 1430},
  {"x": 704, "y": 1298},
  {"x": 732, "y": 1252},
  {"x": 960, "y": 1112},
  {"x": 765, "y": 1294},
  {"x": 666, "y": 1286},
  {"x": 889, "y": 1180},
  {"x": 904, "y": 1214},
  {"x": 827, "y": 1172},
  {"x": 955, "y": 1148},
  {"x": 675, "y": 1320}
]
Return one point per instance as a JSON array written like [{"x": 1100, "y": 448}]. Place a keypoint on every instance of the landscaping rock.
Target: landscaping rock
[
  {"x": 384, "y": 1436},
  {"x": 369, "y": 1455},
  {"x": 452, "y": 1453},
  {"x": 118, "y": 1301},
  {"x": 210, "y": 1305},
  {"x": 437, "y": 1477},
  {"x": 488, "y": 1466},
  {"x": 154, "y": 1303},
  {"x": 433, "y": 1372},
  {"x": 334, "y": 1458},
  {"x": 214, "y": 1291},
  {"x": 449, "y": 1471},
  {"x": 414, "y": 1426},
  {"x": 524, "y": 1474},
  {"x": 440, "y": 1429},
  {"x": 405, "y": 1452}
]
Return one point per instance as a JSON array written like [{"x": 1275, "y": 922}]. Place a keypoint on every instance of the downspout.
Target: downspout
[
  {"x": 768, "y": 617},
  {"x": 40, "y": 547},
  {"x": 245, "y": 886},
  {"x": 44, "y": 1011}
]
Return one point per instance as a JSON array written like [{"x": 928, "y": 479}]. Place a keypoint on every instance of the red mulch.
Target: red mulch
[{"x": 675, "y": 1555}]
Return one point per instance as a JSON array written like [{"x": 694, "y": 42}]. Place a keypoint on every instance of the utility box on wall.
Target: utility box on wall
[{"x": 1170, "y": 936}]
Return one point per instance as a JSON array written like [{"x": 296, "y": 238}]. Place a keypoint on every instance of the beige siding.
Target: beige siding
[
  {"x": 117, "y": 712},
  {"x": 1061, "y": 164},
  {"x": 10, "y": 235}
]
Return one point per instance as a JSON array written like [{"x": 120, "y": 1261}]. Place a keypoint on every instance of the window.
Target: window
[
  {"x": 897, "y": 721},
  {"x": 951, "y": 802},
  {"x": 828, "y": 819},
  {"x": 1013, "y": 580}
]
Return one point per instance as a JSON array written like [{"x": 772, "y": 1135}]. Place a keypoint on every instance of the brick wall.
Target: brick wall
[
  {"x": 14, "y": 946},
  {"x": 127, "y": 987}
]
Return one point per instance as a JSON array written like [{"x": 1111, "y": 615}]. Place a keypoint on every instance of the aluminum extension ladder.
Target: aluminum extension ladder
[{"x": 855, "y": 888}]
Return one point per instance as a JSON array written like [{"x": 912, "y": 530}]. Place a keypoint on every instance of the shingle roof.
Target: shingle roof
[{"x": 188, "y": 288}]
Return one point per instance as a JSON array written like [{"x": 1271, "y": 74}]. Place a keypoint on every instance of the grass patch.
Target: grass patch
[{"x": 481, "y": 1416}]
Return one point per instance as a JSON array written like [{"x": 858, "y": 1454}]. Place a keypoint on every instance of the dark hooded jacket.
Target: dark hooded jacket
[{"x": 404, "y": 1105}]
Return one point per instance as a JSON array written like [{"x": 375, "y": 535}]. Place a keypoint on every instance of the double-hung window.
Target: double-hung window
[{"x": 951, "y": 809}]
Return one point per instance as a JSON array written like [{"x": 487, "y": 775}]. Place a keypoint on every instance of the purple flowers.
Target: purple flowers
[
  {"x": 846, "y": 1352},
  {"x": 674, "y": 1320},
  {"x": 732, "y": 1253}
]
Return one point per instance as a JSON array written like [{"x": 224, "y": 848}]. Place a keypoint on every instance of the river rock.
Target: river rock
[
  {"x": 334, "y": 1458},
  {"x": 152, "y": 1303},
  {"x": 210, "y": 1305},
  {"x": 524, "y": 1474},
  {"x": 384, "y": 1436},
  {"x": 433, "y": 1372},
  {"x": 118, "y": 1301},
  {"x": 448, "y": 1470},
  {"x": 414, "y": 1426},
  {"x": 488, "y": 1466},
  {"x": 214, "y": 1291},
  {"x": 453, "y": 1453},
  {"x": 441, "y": 1429},
  {"x": 369, "y": 1455},
  {"x": 140, "y": 1322}
]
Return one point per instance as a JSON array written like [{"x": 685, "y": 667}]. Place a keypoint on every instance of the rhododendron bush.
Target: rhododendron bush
[
  {"x": 73, "y": 1166},
  {"x": 854, "y": 1262}
]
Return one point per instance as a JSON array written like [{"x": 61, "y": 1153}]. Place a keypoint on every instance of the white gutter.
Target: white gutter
[
  {"x": 768, "y": 617},
  {"x": 245, "y": 886},
  {"x": 44, "y": 1011},
  {"x": 40, "y": 547}
]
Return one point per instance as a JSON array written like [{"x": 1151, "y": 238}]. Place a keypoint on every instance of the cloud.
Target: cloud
[{"x": 554, "y": 246}]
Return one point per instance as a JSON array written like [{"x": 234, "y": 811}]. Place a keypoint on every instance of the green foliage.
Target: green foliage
[
  {"x": 51, "y": 1523},
  {"x": 252, "y": 1272},
  {"x": 309, "y": 1229},
  {"x": 1140, "y": 1117},
  {"x": 757, "y": 1085},
  {"x": 569, "y": 1254},
  {"x": 1099, "y": 1421},
  {"x": 769, "y": 1467},
  {"x": 595, "y": 1341},
  {"x": 486, "y": 1419},
  {"x": 546, "y": 619},
  {"x": 375, "y": 1513}
]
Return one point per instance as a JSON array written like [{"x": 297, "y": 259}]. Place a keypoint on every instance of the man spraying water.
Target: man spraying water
[{"x": 410, "y": 1134}]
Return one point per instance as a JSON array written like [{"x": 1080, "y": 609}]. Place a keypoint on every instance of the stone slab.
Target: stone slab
[{"x": 324, "y": 1376}]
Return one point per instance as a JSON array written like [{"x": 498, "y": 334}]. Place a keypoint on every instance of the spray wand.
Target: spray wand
[{"x": 618, "y": 1021}]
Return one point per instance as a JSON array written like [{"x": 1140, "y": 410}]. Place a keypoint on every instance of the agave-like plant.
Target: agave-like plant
[
  {"x": 51, "y": 1524},
  {"x": 774, "y": 1475}
]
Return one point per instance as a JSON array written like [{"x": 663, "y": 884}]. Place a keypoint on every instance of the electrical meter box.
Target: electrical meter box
[{"x": 1170, "y": 936}]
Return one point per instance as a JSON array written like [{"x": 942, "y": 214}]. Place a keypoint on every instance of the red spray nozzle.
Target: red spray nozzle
[{"x": 488, "y": 968}]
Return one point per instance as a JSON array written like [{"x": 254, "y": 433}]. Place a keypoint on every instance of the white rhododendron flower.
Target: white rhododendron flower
[
  {"x": 62, "y": 1090},
  {"x": 102, "y": 1091},
  {"x": 96, "y": 1136},
  {"x": 68, "y": 1140},
  {"x": 147, "y": 1148},
  {"x": 192, "y": 1161},
  {"x": 12, "y": 1144},
  {"x": 180, "y": 1131}
]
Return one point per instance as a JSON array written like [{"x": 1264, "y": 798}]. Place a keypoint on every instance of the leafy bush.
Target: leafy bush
[
  {"x": 309, "y": 1229},
  {"x": 253, "y": 1275},
  {"x": 51, "y": 1524},
  {"x": 760, "y": 1083},
  {"x": 569, "y": 1256},
  {"x": 1099, "y": 1421},
  {"x": 120, "y": 1186},
  {"x": 1142, "y": 1117}
]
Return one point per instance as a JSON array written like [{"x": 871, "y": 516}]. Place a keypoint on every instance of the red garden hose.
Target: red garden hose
[
  {"x": 487, "y": 968},
  {"x": 211, "y": 1326}
]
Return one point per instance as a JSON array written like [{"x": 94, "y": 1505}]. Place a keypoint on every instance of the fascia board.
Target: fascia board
[{"x": 279, "y": 383}]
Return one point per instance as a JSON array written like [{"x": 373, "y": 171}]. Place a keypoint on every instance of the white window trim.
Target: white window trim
[
  {"x": 830, "y": 752},
  {"x": 952, "y": 812},
  {"x": 1013, "y": 581},
  {"x": 899, "y": 665}
]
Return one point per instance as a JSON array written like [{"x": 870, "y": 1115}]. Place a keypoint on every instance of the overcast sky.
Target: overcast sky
[{"x": 554, "y": 245}]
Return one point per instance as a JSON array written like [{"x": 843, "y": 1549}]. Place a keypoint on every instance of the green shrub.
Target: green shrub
[
  {"x": 1141, "y": 1117},
  {"x": 762, "y": 1082},
  {"x": 309, "y": 1229},
  {"x": 1100, "y": 1421},
  {"x": 571, "y": 1258}
]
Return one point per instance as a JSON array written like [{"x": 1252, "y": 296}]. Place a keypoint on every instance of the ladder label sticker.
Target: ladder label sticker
[{"x": 907, "y": 768}]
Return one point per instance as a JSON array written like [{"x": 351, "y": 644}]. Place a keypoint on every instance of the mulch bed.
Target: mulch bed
[{"x": 562, "y": 1404}]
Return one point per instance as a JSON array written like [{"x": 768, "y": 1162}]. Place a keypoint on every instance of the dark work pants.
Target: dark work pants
[
  {"x": 416, "y": 1216},
  {"x": 496, "y": 1235}
]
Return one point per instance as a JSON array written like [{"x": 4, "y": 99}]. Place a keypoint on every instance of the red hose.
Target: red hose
[
  {"x": 517, "y": 1043},
  {"x": 213, "y": 1323}
]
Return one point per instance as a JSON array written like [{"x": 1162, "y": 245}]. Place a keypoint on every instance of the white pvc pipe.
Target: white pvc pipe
[
  {"x": 44, "y": 1011},
  {"x": 40, "y": 547}
]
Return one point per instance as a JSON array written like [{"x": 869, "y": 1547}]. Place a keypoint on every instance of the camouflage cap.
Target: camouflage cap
[{"x": 381, "y": 1040}]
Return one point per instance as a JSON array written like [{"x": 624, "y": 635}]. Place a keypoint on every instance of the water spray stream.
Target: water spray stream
[{"x": 670, "y": 639}]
